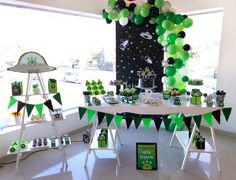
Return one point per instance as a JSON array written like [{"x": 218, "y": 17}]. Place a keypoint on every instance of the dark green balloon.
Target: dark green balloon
[
  {"x": 170, "y": 81},
  {"x": 105, "y": 15},
  {"x": 184, "y": 56},
  {"x": 170, "y": 71},
  {"x": 178, "y": 19},
  {"x": 160, "y": 30},
  {"x": 170, "y": 15},
  {"x": 138, "y": 20},
  {"x": 160, "y": 19},
  {"x": 171, "y": 38},
  {"x": 178, "y": 64},
  {"x": 185, "y": 78}
]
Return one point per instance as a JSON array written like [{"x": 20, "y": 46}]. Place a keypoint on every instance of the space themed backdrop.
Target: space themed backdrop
[{"x": 136, "y": 48}]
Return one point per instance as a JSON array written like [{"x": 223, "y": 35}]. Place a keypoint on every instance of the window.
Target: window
[
  {"x": 204, "y": 37},
  {"x": 81, "y": 48}
]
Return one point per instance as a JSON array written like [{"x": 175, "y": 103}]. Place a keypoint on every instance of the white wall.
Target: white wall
[{"x": 226, "y": 71}]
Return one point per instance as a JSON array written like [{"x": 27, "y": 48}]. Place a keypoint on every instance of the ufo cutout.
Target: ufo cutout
[
  {"x": 31, "y": 62},
  {"x": 146, "y": 35}
]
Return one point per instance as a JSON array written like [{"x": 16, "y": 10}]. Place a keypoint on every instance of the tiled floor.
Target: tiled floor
[{"x": 46, "y": 165}]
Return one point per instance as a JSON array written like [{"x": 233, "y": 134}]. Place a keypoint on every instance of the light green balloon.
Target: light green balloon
[
  {"x": 112, "y": 16},
  {"x": 184, "y": 56},
  {"x": 124, "y": 12},
  {"x": 152, "y": 21},
  {"x": 164, "y": 43},
  {"x": 178, "y": 28},
  {"x": 188, "y": 22},
  {"x": 170, "y": 81},
  {"x": 179, "y": 42},
  {"x": 137, "y": 10},
  {"x": 160, "y": 30},
  {"x": 171, "y": 49},
  {"x": 180, "y": 85},
  {"x": 160, "y": 39},
  {"x": 112, "y": 4},
  {"x": 159, "y": 3},
  {"x": 145, "y": 11}
]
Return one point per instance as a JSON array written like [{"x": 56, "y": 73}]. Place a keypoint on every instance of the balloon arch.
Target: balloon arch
[{"x": 169, "y": 29}]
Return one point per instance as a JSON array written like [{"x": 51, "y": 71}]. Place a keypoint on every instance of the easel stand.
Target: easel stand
[
  {"x": 111, "y": 144},
  {"x": 19, "y": 153},
  {"x": 187, "y": 144}
]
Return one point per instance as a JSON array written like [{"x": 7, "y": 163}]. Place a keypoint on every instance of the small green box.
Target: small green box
[{"x": 52, "y": 85}]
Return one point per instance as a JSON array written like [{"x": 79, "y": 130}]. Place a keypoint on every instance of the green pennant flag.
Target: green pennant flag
[
  {"x": 167, "y": 123},
  {"x": 39, "y": 108},
  {"x": 208, "y": 118},
  {"x": 226, "y": 112},
  {"x": 90, "y": 114},
  {"x": 109, "y": 118},
  {"x": 178, "y": 122},
  {"x": 197, "y": 120},
  {"x": 118, "y": 120},
  {"x": 82, "y": 111},
  {"x": 137, "y": 121},
  {"x": 146, "y": 123},
  {"x": 29, "y": 108},
  {"x": 11, "y": 102},
  {"x": 57, "y": 97}
]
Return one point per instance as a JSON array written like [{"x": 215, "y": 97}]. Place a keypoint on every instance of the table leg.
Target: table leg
[
  {"x": 214, "y": 145},
  {"x": 173, "y": 135},
  {"x": 115, "y": 148}
]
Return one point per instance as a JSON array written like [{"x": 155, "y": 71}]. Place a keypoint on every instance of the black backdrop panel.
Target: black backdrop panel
[{"x": 137, "y": 48}]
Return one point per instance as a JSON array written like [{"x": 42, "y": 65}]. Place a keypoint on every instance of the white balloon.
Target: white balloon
[
  {"x": 163, "y": 79},
  {"x": 131, "y": 16},
  {"x": 164, "y": 63},
  {"x": 166, "y": 7},
  {"x": 123, "y": 21}
]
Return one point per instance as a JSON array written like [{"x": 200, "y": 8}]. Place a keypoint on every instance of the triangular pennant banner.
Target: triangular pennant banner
[
  {"x": 128, "y": 120},
  {"x": 39, "y": 108},
  {"x": 137, "y": 121},
  {"x": 157, "y": 121},
  {"x": 208, "y": 118},
  {"x": 48, "y": 103},
  {"x": 216, "y": 115},
  {"x": 20, "y": 105},
  {"x": 178, "y": 122},
  {"x": 167, "y": 123},
  {"x": 197, "y": 120},
  {"x": 90, "y": 114},
  {"x": 82, "y": 111},
  {"x": 226, "y": 112},
  {"x": 57, "y": 97},
  {"x": 29, "y": 108},
  {"x": 187, "y": 121},
  {"x": 11, "y": 102},
  {"x": 146, "y": 123},
  {"x": 109, "y": 118},
  {"x": 118, "y": 120},
  {"x": 100, "y": 117}
]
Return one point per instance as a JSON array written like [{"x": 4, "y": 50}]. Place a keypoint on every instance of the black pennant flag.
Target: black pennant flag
[
  {"x": 101, "y": 116},
  {"x": 216, "y": 115},
  {"x": 157, "y": 120},
  {"x": 128, "y": 119},
  {"x": 167, "y": 123},
  {"x": 198, "y": 119},
  {"x": 48, "y": 103},
  {"x": 137, "y": 121},
  {"x": 20, "y": 105},
  {"x": 226, "y": 112},
  {"x": 187, "y": 121}
]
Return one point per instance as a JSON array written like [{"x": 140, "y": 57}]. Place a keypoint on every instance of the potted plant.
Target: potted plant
[{"x": 129, "y": 95}]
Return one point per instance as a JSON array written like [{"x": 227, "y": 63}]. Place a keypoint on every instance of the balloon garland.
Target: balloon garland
[{"x": 169, "y": 28}]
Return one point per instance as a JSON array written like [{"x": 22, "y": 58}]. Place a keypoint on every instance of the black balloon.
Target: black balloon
[
  {"x": 186, "y": 47},
  {"x": 103, "y": 10},
  {"x": 120, "y": 4},
  {"x": 108, "y": 21},
  {"x": 185, "y": 16},
  {"x": 170, "y": 60},
  {"x": 132, "y": 6},
  {"x": 154, "y": 11},
  {"x": 182, "y": 34},
  {"x": 151, "y": 1}
]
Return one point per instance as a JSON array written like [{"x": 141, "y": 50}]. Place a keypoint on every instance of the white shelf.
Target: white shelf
[
  {"x": 30, "y": 147},
  {"x": 109, "y": 146},
  {"x": 183, "y": 138}
]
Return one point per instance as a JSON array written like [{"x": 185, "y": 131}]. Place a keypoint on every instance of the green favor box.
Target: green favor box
[
  {"x": 52, "y": 85},
  {"x": 16, "y": 88}
]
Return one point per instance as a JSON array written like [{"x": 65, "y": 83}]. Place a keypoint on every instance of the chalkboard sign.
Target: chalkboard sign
[{"x": 146, "y": 156}]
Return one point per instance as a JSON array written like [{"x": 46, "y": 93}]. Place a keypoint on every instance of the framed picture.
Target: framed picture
[{"x": 146, "y": 156}]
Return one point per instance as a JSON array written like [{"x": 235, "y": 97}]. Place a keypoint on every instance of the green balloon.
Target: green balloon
[
  {"x": 178, "y": 63},
  {"x": 168, "y": 25},
  {"x": 105, "y": 15},
  {"x": 184, "y": 56},
  {"x": 111, "y": 16},
  {"x": 185, "y": 78},
  {"x": 170, "y": 15},
  {"x": 144, "y": 12},
  {"x": 138, "y": 20},
  {"x": 152, "y": 21},
  {"x": 137, "y": 10},
  {"x": 164, "y": 43},
  {"x": 170, "y": 81},
  {"x": 178, "y": 19},
  {"x": 179, "y": 42},
  {"x": 188, "y": 22},
  {"x": 160, "y": 19},
  {"x": 171, "y": 38},
  {"x": 112, "y": 4},
  {"x": 183, "y": 91},
  {"x": 180, "y": 85},
  {"x": 124, "y": 12},
  {"x": 159, "y": 3},
  {"x": 160, "y": 30},
  {"x": 171, "y": 49},
  {"x": 170, "y": 71},
  {"x": 160, "y": 39}
]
